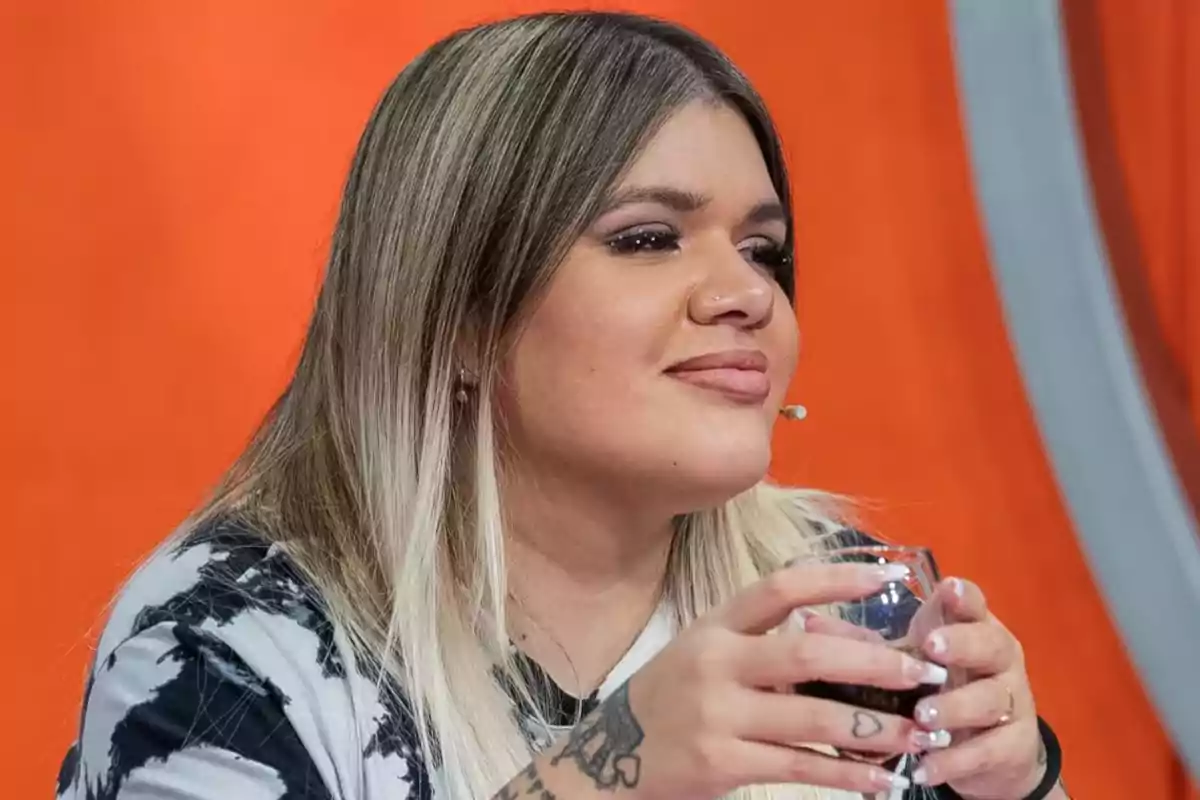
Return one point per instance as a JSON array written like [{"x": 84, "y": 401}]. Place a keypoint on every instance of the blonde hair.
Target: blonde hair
[{"x": 482, "y": 163}]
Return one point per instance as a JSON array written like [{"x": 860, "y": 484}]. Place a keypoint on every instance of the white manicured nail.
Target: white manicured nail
[
  {"x": 934, "y": 674},
  {"x": 931, "y": 740},
  {"x": 926, "y": 713},
  {"x": 957, "y": 586},
  {"x": 888, "y": 780},
  {"x": 798, "y": 621},
  {"x": 924, "y": 672},
  {"x": 937, "y": 644},
  {"x": 921, "y": 777},
  {"x": 893, "y": 572}
]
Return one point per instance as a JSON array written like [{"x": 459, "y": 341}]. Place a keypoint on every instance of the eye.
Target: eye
[
  {"x": 644, "y": 240},
  {"x": 770, "y": 255}
]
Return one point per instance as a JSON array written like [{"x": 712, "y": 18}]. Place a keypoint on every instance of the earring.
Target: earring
[{"x": 462, "y": 395}]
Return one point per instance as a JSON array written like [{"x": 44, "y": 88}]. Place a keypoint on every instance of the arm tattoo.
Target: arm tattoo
[
  {"x": 527, "y": 784},
  {"x": 536, "y": 787},
  {"x": 866, "y": 725},
  {"x": 604, "y": 745}
]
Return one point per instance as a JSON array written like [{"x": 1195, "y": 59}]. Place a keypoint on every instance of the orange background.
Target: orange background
[{"x": 171, "y": 174}]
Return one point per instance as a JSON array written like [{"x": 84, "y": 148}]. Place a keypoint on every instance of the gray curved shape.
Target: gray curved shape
[{"x": 1068, "y": 329}]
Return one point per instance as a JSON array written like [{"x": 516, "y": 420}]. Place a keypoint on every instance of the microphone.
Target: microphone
[{"x": 794, "y": 413}]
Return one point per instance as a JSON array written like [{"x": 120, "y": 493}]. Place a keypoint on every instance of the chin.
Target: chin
[{"x": 709, "y": 477}]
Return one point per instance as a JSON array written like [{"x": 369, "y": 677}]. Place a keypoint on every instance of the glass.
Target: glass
[{"x": 902, "y": 614}]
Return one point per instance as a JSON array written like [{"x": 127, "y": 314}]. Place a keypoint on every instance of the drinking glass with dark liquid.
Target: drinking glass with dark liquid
[{"x": 901, "y": 615}]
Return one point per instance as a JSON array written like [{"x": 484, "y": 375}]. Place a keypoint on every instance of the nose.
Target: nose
[{"x": 733, "y": 293}]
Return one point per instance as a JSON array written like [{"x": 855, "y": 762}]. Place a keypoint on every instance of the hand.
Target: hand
[
  {"x": 701, "y": 719},
  {"x": 996, "y": 751}
]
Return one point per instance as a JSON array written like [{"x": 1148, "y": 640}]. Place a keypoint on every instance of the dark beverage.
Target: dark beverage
[
  {"x": 901, "y": 702},
  {"x": 901, "y": 614}
]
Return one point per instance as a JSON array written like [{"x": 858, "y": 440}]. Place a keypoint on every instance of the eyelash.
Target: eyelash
[{"x": 771, "y": 255}]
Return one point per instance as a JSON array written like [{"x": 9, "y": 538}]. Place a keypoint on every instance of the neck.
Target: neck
[{"x": 585, "y": 574}]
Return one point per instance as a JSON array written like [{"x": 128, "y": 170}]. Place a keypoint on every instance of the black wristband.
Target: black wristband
[
  {"x": 1053, "y": 763},
  {"x": 1049, "y": 780}
]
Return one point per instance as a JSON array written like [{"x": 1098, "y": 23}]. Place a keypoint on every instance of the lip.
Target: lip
[{"x": 740, "y": 375}]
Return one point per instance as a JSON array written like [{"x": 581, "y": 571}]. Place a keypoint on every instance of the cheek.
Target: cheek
[
  {"x": 582, "y": 357},
  {"x": 783, "y": 346},
  {"x": 592, "y": 326}
]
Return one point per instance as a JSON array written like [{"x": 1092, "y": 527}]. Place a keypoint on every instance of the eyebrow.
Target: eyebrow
[{"x": 685, "y": 202}]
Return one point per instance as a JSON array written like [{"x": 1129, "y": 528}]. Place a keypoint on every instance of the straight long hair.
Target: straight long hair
[{"x": 483, "y": 162}]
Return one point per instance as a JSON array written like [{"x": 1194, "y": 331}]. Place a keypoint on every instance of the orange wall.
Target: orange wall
[
  {"x": 1153, "y": 56},
  {"x": 1152, "y": 53},
  {"x": 171, "y": 176}
]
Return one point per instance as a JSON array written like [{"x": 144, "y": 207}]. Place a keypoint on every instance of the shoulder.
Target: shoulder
[
  {"x": 216, "y": 577},
  {"x": 795, "y": 522},
  {"x": 220, "y": 670}
]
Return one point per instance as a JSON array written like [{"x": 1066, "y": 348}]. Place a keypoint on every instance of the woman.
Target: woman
[{"x": 508, "y": 520}]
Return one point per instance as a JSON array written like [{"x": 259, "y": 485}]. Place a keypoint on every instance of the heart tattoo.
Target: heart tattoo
[{"x": 866, "y": 725}]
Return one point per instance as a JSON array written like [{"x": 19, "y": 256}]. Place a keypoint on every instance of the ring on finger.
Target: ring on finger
[{"x": 1007, "y": 716}]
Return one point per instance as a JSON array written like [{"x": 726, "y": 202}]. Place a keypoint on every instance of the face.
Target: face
[{"x": 656, "y": 363}]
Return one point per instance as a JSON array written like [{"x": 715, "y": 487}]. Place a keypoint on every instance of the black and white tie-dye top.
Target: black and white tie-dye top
[{"x": 218, "y": 676}]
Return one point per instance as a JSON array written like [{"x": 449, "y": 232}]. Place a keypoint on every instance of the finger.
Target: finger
[
  {"x": 963, "y": 600},
  {"x": 980, "y": 704},
  {"x": 789, "y": 658},
  {"x": 761, "y": 763},
  {"x": 812, "y": 622},
  {"x": 929, "y": 617},
  {"x": 1009, "y": 749},
  {"x": 984, "y": 647},
  {"x": 793, "y": 720},
  {"x": 767, "y": 603}
]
